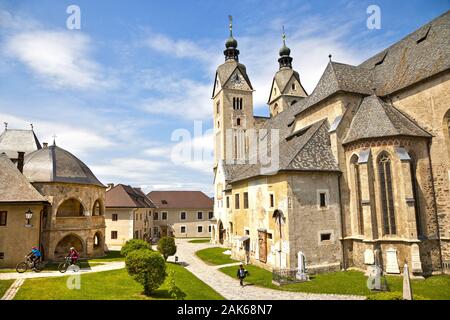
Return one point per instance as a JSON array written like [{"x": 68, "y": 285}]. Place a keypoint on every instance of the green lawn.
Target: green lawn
[
  {"x": 113, "y": 285},
  {"x": 206, "y": 240},
  {"x": 111, "y": 256},
  {"x": 215, "y": 256},
  {"x": 53, "y": 266},
  {"x": 348, "y": 282},
  {"x": 4, "y": 285}
]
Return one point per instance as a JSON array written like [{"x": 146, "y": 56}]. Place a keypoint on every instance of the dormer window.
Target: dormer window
[{"x": 163, "y": 201}]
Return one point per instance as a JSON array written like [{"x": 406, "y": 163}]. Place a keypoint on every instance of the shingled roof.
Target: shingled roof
[
  {"x": 14, "y": 187},
  {"x": 226, "y": 69},
  {"x": 123, "y": 196},
  {"x": 375, "y": 118},
  {"x": 14, "y": 140},
  {"x": 180, "y": 200}
]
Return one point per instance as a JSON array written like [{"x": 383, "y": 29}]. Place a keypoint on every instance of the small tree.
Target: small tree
[
  {"x": 134, "y": 244},
  {"x": 146, "y": 267},
  {"x": 167, "y": 247},
  {"x": 174, "y": 291}
]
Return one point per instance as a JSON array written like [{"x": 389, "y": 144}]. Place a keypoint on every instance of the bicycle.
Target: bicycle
[
  {"x": 63, "y": 266},
  {"x": 36, "y": 266}
]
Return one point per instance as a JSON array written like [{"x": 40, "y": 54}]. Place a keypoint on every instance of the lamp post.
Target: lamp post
[{"x": 28, "y": 216}]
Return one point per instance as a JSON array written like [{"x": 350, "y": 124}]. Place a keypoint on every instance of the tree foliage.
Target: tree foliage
[
  {"x": 167, "y": 247},
  {"x": 134, "y": 244}
]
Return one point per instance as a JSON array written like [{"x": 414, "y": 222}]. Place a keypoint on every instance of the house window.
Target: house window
[
  {"x": 2, "y": 255},
  {"x": 269, "y": 236},
  {"x": 164, "y": 215},
  {"x": 183, "y": 215},
  {"x": 245, "y": 200},
  {"x": 209, "y": 228},
  {"x": 387, "y": 198},
  {"x": 228, "y": 202},
  {"x": 236, "y": 201},
  {"x": 199, "y": 215},
  {"x": 3, "y": 216},
  {"x": 322, "y": 199},
  {"x": 272, "y": 201},
  {"x": 155, "y": 231},
  {"x": 210, "y": 215},
  {"x": 183, "y": 229},
  {"x": 155, "y": 216},
  {"x": 247, "y": 232},
  {"x": 199, "y": 229},
  {"x": 325, "y": 236},
  {"x": 113, "y": 234},
  {"x": 115, "y": 217}
]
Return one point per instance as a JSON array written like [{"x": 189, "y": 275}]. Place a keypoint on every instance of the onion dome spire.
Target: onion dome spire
[
  {"x": 231, "y": 52},
  {"x": 285, "y": 60}
]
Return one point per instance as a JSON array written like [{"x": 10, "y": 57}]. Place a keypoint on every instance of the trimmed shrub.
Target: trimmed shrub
[
  {"x": 146, "y": 267},
  {"x": 134, "y": 244},
  {"x": 167, "y": 247}
]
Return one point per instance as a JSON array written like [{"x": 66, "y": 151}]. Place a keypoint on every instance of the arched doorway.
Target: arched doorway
[
  {"x": 70, "y": 208},
  {"x": 97, "y": 210},
  {"x": 221, "y": 231},
  {"x": 63, "y": 246}
]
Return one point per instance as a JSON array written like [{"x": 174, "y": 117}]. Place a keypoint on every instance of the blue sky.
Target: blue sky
[{"x": 117, "y": 92}]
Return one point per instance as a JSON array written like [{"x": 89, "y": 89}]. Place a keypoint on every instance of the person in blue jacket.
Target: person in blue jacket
[{"x": 35, "y": 255}]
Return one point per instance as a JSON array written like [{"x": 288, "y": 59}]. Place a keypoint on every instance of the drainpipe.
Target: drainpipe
[
  {"x": 435, "y": 207},
  {"x": 344, "y": 263}
]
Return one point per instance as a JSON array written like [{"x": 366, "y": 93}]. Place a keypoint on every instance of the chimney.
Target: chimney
[
  {"x": 110, "y": 186},
  {"x": 45, "y": 144},
  {"x": 20, "y": 156}
]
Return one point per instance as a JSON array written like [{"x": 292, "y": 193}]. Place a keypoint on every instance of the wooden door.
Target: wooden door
[{"x": 262, "y": 240}]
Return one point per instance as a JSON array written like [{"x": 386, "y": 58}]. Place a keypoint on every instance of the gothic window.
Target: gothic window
[
  {"x": 240, "y": 103},
  {"x": 238, "y": 121},
  {"x": 357, "y": 194},
  {"x": 414, "y": 184},
  {"x": 386, "y": 193},
  {"x": 234, "y": 103}
]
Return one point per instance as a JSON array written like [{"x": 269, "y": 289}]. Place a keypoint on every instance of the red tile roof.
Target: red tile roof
[
  {"x": 123, "y": 196},
  {"x": 181, "y": 199}
]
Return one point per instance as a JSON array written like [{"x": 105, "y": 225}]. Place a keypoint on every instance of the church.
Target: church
[{"x": 359, "y": 170}]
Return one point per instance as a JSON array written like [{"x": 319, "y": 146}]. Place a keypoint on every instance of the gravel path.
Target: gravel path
[{"x": 230, "y": 288}]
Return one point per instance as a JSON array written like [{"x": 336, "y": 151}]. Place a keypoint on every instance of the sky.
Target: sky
[{"x": 129, "y": 92}]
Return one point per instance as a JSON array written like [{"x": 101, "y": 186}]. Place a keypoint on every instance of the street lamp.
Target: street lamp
[{"x": 28, "y": 216}]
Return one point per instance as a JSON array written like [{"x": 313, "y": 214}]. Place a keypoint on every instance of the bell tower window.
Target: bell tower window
[{"x": 238, "y": 121}]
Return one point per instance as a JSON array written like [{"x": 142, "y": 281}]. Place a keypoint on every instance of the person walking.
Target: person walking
[{"x": 241, "y": 274}]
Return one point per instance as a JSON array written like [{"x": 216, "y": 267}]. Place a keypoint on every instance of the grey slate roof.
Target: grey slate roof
[
  {"x": 375, "y": 118},
  {"x": 54, "y": 164},
  {"x": 407, "y": 61},
  {"x": 14, "y": 187},
  {"x": 13, "y": 140},
  {"x": 420, "y": 55}
]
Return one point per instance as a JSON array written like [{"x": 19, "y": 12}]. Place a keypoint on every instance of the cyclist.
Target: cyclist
[
  {"x": 74, "y": 255},
  {"x": 35, "y": 255}
]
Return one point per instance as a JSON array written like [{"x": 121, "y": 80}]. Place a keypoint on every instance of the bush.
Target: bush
[
  {"x": 167, "y": 247},
  {"x": 134, "y": 244},
  {"x": 174, "y": 291},
  {"x": 146, "y": 267}
]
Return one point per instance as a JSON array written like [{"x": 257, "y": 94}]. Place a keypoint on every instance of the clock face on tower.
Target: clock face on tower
[{"x": 237, "y": 81}]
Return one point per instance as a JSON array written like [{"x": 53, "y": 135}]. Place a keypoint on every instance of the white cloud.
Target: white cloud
[{"x": 60, "y": 58}]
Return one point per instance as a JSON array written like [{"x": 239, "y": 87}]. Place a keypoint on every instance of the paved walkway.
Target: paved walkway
[
  {"x": 229, "y": 288},
  {"x": 107, "y": 266}
]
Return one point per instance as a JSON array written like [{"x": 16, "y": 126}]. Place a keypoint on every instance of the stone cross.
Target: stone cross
[
  {"x": 407, "y": 291},
  {"x": 302, "y": 271}
]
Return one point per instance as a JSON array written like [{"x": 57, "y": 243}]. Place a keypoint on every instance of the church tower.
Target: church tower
[
  {"x": 233, "y": 106},
  {"x": 286, "y": 87}
]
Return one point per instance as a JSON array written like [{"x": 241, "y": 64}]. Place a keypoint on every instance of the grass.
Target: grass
[
  {"x": 215, "y": 256},
  {"x": 113, "y": 285},
  {"x": 348, "y": 282},
  {"x": 207, "y": 240},
  {"x": 111, "y": 256},
  {"x": 4, "y": 285}
]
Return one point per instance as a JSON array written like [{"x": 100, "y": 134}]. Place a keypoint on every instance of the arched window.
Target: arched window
[
  {"x": 97, "y": 210},
  {"x": 386, "y": 194},
  {"x": 234, "y": 103},
  {"x": 357, "y": 193},
  {"x": 240, "y": 103},
  {"x": 414, "y": 184},
  {"x": 70, "y": 208},
  {"x": 293, "y": 86},
  {"x": 238, "y": 121},
  {"x": 97, "y": 240}
]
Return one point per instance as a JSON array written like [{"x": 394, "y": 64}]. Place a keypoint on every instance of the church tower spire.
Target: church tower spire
[
  {"x": 286, "y": 86},
  {"x": 285, "y": 59},
  {"x": 231, "y": 52}
]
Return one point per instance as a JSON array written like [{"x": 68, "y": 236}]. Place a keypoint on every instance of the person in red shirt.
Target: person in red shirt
[{"x": 74, "y": 255}]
